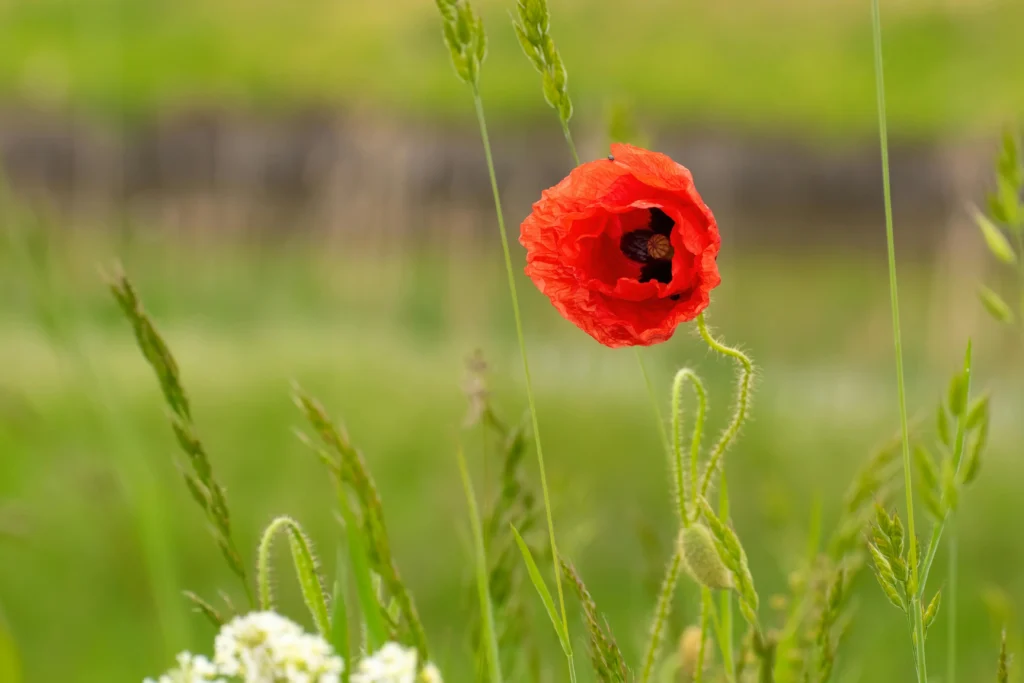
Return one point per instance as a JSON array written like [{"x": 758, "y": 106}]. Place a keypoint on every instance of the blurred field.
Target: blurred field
[
  {"x": 801, "y": 65},
  {"x": 383, "y": 344},
  {"x": 374, "y": 274}
]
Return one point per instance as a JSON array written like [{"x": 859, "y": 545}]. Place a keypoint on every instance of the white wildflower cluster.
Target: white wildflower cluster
[
  {"x": 191, "y": 669},
  {"x": 261, "y": 647},
  {"x": 394, "y": 664}
]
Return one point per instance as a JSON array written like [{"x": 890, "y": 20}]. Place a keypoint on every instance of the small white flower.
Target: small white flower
[
  {"x": 264, "y": 647},
  {"x": 430, "y": 674},
  {"x": 394, "y": 663},
  {"x": 191, "y": 669},
  {"x": 261, "y": 647}
]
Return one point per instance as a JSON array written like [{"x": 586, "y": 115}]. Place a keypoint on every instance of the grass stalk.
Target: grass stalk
[
  {"x": 912, "y": 554},
  {"x": 489, "y": 639},
  {"x": 951, "y": 606},
  {"x": 481, "y": 120},
  {"x": 654, "y": 400},
  {"x": 568, "y": 139},
  {"x": 706, "y": 606}
]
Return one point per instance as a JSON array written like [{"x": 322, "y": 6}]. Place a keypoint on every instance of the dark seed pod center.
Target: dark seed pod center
[{"x": 651, "y": 247}]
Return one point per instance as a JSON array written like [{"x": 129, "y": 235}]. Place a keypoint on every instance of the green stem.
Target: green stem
[
  {"x": 725, "y": 635},
  {"x": 959, "y": 445},
  {"x": 706, "y": 606},
  {"x": 915, "y": 606},
  {"x": 742, "y": 403},
  {"x": 679, "y": 469},
  {"x": 661, "y": 612},
  {"x": 568, "y": 139},
  {"x": 654, "y": 401},
  {"x": 478, "y": 103},
  {"x": 951, "y": 609}
]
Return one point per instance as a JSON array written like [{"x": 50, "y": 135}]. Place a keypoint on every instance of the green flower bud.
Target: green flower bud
[{"x": 701, "y": 558}]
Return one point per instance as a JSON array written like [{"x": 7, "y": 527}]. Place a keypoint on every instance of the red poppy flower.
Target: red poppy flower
[{"x": 624, "y": 247}]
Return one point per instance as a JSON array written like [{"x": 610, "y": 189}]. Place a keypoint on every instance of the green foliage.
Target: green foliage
[
  {"x": 489, "y": 636},
  {"x": 365, "y": 519},
  {"x": 306, "y": 570},
  {"x": 1003, "y": 667},
  {"x": 464, "y": 35},
  {"x": 200, "y": 481},
  {"x": 605, "y": 655},
  {"x": 514, "y": 505},
  {"x": 203, "y": 607},
  {"x": 532, "y": 30},
  {"x": 561, "y": 628},
  {"x": 1005, "y": 221},
  {"x": 996, "y": 241},
  {"x": 339, "y": 639}
]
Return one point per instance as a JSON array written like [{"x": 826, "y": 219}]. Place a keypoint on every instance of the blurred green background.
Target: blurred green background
[{"x": 297, "y": 189}]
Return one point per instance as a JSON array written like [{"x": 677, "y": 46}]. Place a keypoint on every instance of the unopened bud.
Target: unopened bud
[{"x": 702, "y": 560}]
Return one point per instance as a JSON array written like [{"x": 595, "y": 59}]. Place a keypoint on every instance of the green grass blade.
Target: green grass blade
[
  {"x": 376, "y": 628},
  {"x": 309, "y": 579},
  {"x": 339, "y": 616},
  {"x": 480, "y": 565},
  {"x": 544, "y": 593}
]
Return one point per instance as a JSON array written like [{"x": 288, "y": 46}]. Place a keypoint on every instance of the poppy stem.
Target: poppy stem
[
  {"x": 742, "y": 403},
  {"x": 478, "y": 103},
  {"x": 912, "y": 552}
]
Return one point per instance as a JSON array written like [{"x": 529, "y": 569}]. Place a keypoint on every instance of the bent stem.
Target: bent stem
[
  {"x": 478, "y": 103},
  {"x": 679, "y": 468},
  {"x": 742, "y": 403},
  {"x": 912, "y": 559}
]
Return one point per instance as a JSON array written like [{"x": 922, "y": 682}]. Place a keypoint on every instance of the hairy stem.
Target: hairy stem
[
  {"x": 661, "y": 612},
  {"x": 526, "y": 365},
  {"x": 679, "y": 469},
  {"x": 912, "y": 555},
  {"x": 742, "y": 403},
  {"x": 725, "y": 635}
]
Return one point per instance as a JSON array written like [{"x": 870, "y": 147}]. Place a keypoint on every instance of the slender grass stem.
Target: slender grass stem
[
  {"x": 661, "y": 612},
  {"x": 478, "y": 103},
  {"x": 706, "y": 606},
  {"x": 951, "y": 609},
  {"x": 654, "y": 402},
  {"x": 568, "y": 139},
  {"x": 912, "y": 555}
]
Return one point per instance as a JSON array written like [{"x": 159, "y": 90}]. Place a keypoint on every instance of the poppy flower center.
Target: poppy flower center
[{"x": 652, "y": 247}]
